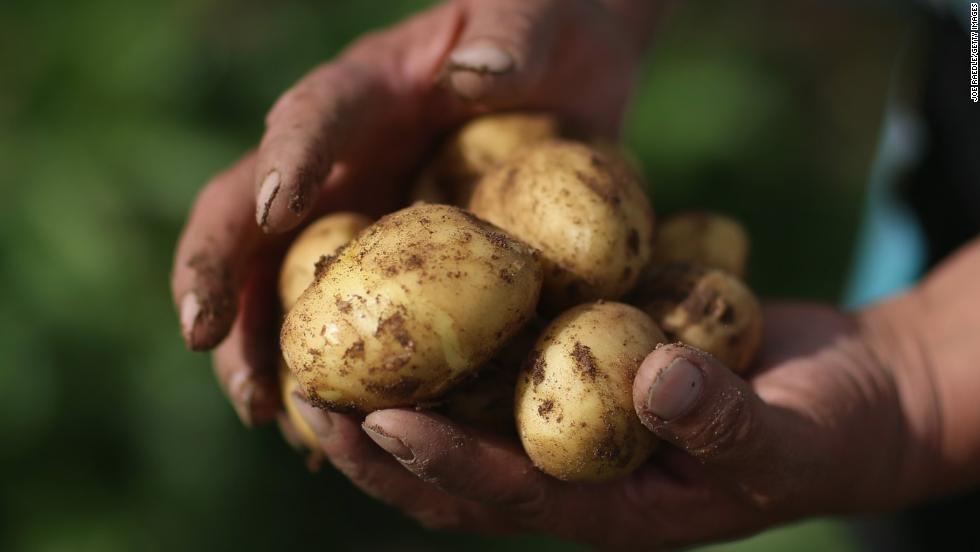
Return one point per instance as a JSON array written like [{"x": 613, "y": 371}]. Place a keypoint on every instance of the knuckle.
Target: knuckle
[{"x": 727, "y": 428}]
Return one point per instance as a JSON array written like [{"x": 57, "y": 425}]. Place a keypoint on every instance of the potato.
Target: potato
[
  {"x": 321, "y": 239},
  {"x": 487, "y": 401},
  {"x": 287, "y": 386},
  {"x": 314, "y": 244},
  {"x": 414, "y": 305},
  {"x": 702, "y": 238},
  {"x": 585, "y": 210},
  {"x": 706, "y": 308},
  {"x": 574, "y": 397},
  {"x": 476, "y": 148}
]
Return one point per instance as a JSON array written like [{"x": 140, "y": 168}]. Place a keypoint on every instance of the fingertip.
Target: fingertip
[
  {"x": 268, "y": 190},
  {"x": 479, "y": 70},
  {"x": 205, "y": 319},
  {"x": 282, "y": 200},
  {"x": 390, "y": 443},
  {"x": 668, "y": 384}
]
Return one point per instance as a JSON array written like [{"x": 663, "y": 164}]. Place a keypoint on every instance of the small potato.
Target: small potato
[
  {"x": 574, "y": 397},
  {"x": 414, "y": 305},
  {"x": 706, "y": 308},
  {"x": 584, "y": 209},
  {"x": 287, "y": 386},
  {"x": 475, "y": 149},
  {"x": 702, "y": 238},
  {"x": 321, "y": 239}
]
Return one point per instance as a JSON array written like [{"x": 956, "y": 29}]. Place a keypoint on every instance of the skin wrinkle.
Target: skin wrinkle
[{"x": 920, "y": 432}]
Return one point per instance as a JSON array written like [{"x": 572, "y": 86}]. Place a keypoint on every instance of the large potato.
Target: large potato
[
  {"x": 321, "y": 239},
  {"x": 411, "y": 307},
  {"x": 574, "y": 398},
  {"x": 585, "y": 210},
  {"x": 475, "y": 149},
  {"x": 702, "y": 238},
  {"x": 313, "y": 245},
  {"x": 706, "y": 308}
]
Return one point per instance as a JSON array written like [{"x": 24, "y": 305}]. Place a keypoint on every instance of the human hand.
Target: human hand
[
  {"x": 349, "y": 135},
  {"x": 825, "y": 425}
]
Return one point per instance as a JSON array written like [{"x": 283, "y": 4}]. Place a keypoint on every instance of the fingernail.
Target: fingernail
[
  {"x": 267, "y": 193},
  {"x": 242, "y": 392},
  {"x": 318, "y": 420},
  {"x": 393, "y": 445},
  {"x": 482, "y": 58},
  {"x": 190, "y": 309},
  {"x": 675, "y": 390}
]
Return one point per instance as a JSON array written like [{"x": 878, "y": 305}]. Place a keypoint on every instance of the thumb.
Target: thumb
[
  {"x": 502, "y": 50},
  {"x": 688, "y": 398}
]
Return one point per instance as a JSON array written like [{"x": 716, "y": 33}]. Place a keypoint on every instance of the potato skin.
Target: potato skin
[
  {"x": 584, "y": 209},
  {"x": 706, "y": 308},
  {"x": 287, "y": 386},
  {"x": 321, "y": 239},
  {"x": 476, "y": 148},
  {"x": 702, "y": 238},
  {"x": 574, "y": 396},
  {"x": 414, "y": 305}
]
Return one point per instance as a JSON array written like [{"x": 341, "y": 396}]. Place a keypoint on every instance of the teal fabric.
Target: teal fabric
[{"x": 891, "y": 252}]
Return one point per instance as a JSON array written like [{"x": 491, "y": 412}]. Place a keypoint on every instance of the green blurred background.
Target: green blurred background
[{"x": 113, "y": 113}]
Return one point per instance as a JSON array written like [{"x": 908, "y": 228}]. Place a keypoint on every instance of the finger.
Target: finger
[
  {"x": 339, "y": 113},
  {"x": 691, "y": 400},
  {"x": 375, "y": 472},
  {"x": 245, "y": 362},
  {"x": 503, "y": 49},
  {"x": 211, "y": 253},
  {"x": 305, "y": 132},
  {"x": 477, "y": 467}
]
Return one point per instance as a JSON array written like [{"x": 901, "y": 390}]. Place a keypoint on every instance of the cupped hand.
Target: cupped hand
[
  {"x": 349, "y": 135},
  {"x": 822, "y": 426}
]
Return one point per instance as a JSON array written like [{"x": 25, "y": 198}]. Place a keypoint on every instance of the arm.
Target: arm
[{"x": 932, "y": 337}]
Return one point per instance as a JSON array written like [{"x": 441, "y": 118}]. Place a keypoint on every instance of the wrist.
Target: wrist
[{"x": 891, "y": 333}]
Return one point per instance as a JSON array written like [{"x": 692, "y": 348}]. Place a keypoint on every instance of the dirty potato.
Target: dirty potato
[
  {"x": 302, "y": 431},
  {"x": 475, "y": 149},
  {"x": 585, "y": 210},
  {"x": 411, "y": 307},
  {"x": 574, "y": 397},
  {"x": 319, "y": 240},
  {"x": 706, "y": 308},
  {"x": 312, "y": 246},
  {"x": 703, "y": 238}
]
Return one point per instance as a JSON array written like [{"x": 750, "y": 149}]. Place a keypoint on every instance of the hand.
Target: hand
[
  {"x": 821, "y": 427},
  {"x": 349, "y": 135}
]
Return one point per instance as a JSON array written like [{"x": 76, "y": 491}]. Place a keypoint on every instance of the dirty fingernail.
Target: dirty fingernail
[
  {"x": 393, "y": 445},
  {"x": 318, "y": 420},
  {"x": 482, "y": 58},
  {"x": 267, "y": 193},
  {"x": 190, "y": 309},
  {"x": 675, "y": 390}
]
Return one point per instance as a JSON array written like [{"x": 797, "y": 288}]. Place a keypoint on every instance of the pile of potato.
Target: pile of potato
[{"x": 522, "y": 288}]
